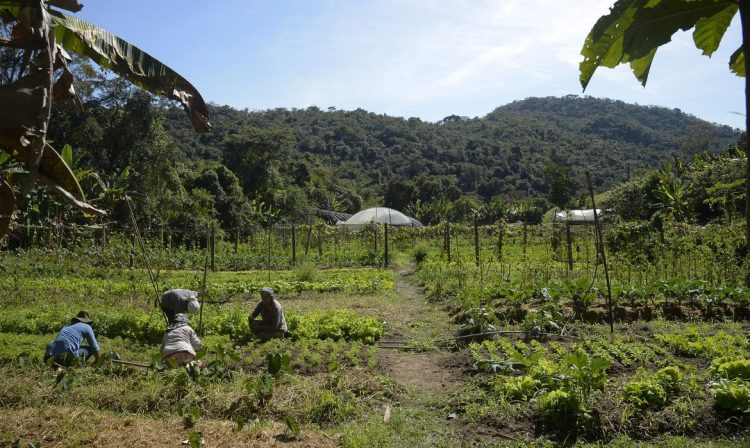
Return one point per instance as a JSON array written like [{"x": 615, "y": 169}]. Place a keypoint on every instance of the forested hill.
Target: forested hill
[{"x": 505, "y": 153}]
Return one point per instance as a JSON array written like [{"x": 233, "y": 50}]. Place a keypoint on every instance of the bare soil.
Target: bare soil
[{"x": 426, "y": 372}]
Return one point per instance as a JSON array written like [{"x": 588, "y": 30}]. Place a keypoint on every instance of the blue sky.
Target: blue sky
[{"x": 422, "y": 58}]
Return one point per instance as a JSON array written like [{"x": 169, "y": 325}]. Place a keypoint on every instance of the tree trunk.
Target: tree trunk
[{"x": 745, "y": 18}]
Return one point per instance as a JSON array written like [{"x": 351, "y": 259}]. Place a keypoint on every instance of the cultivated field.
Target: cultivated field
[{"x": 512, "y": 350}]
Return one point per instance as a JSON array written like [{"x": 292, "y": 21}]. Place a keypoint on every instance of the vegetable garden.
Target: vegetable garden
[{"x": 535, "y": 359}]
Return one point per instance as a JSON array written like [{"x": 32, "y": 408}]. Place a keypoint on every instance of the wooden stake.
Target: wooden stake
[
  {"x": 385, "y": 245},
  {"x": 598, "y": 229},
  {"x": 294, "y": 245},
  {"x": 570, "y": 246},
  {"x": 212, "y": 242},
  {"x": 476, "y": 241}
]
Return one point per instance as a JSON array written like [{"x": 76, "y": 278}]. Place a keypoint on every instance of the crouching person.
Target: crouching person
[
  {"x": 272, "y": 323},
  {"x": 180, "y": 342},
  {"x": 67, "y": 349},
  {"x": 180, "y": 301}
]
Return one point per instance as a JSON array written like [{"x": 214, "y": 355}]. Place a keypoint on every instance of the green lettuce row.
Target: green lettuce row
[{"x": 148, "y": 326}]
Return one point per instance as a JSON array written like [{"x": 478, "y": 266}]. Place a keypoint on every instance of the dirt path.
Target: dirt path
[{"x": 424, "y": 372}]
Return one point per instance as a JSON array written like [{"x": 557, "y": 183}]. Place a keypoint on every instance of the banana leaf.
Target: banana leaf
[{"x": 134, "y": 64}]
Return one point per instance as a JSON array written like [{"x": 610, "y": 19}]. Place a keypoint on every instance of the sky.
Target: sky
[{"x": 409, "y": 58}]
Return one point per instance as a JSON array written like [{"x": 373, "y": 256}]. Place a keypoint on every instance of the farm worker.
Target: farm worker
[
  {"x": 179, "y": 301},
  {"x": 272, "y": 323},
  {"x": 180, "y": 341},
  {"x": 67, "y": 345}
]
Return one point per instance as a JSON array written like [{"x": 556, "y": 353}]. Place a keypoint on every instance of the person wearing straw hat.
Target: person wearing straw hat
[
  {"x": 66, "y": 348},
  {"x": 272, "y": 323}
]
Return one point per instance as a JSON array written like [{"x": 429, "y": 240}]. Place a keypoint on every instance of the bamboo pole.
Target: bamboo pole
[{"x": 598, "y": 229}]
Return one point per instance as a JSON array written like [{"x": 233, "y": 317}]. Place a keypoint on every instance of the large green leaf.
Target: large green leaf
[
  {"x": 634, "y": 29},
  {"x": 737, "y": 62},
  {"x": 7, "y": 207},
  {"x": 143, "y": 70},
  {"x": 54, "y": 167},
  {"x": 87, "y": 209},
  {"x": 603, "y": 45},
  {"x": 709, "y": 30}
]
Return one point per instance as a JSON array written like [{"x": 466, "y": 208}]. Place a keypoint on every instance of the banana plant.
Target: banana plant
[
  {"x": 44, "y": 35},
  {"x": 634, "y": 30}
]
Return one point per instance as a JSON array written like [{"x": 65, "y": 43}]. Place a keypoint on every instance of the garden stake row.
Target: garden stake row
[{"x": 145, "y": 257}]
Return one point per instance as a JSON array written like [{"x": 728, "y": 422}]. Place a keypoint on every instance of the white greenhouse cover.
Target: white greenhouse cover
[
  {"x": 577, "y": 216},
  {"x": 380, "y": 215}
]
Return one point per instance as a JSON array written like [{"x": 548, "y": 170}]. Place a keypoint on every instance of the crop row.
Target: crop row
[
  {"x": 148, "y": 327},
  {"x": 557, "y": 381},
  {"x": 306, "y": 355},
  {"x": 27, "y": 287}
]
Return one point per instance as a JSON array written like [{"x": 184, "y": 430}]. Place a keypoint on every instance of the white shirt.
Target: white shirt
[{"x": 180, "y": 339}]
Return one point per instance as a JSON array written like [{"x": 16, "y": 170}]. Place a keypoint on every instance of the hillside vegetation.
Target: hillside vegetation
[{"x": 262, "y": 166}]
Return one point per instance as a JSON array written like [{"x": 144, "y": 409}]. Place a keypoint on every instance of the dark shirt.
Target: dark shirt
[{"x": 273, "y": 318}]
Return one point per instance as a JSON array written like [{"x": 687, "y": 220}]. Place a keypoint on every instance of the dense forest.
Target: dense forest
[
  {"x": 277, "y": 165},
  {"x": 511, "y": 152}
]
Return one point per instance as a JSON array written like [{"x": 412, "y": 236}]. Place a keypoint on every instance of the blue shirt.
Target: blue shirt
[{"x": 69, "y": 340}]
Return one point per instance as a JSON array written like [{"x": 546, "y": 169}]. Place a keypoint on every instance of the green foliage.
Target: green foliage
[
  {"x": 293, "y": 426},
  {"x": 277, "y": 363},
  {"x": 692, "y": 342},
  {"x": 419, "y": 255},
  {"x": 645, "y": 393},
  {"x": 632, "y": 32},
  {"x": 669, "y": 377},
  {"x": 559, "y": 410},
  {"x": 519, "y": 387},
  {"x": 306, "y": 272},
  {"x": 338, "y": 324},
  {"x": 732, "y": 396},
  {"x": 585, "y": 373},
  {"x": 736, "y": 369}
]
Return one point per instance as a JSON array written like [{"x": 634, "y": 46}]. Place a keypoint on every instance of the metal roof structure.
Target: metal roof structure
[{"x": 577, "y": 216}]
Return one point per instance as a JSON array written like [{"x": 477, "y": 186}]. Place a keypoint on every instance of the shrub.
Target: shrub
[{"x": 420, "y": 254}]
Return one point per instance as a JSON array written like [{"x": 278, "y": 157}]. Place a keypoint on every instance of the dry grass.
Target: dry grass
[{"x": 72, "y": 426}]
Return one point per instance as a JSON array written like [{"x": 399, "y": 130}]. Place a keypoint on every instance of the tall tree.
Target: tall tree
[{"x": 634, "y": 29}]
